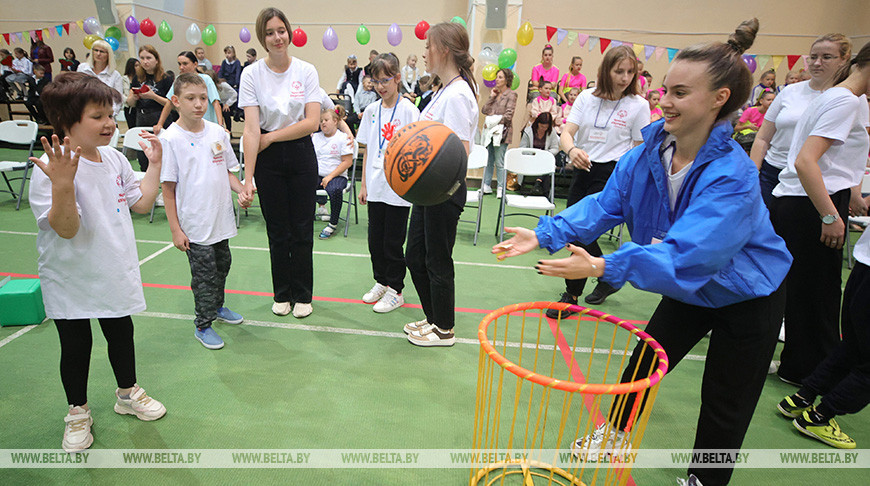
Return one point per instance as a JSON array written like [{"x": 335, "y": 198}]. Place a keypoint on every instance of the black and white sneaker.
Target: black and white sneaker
[{"x": 567, "y": 298}]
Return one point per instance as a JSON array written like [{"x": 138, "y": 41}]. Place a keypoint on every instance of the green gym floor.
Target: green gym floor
[{"x": 343, "y": 378}]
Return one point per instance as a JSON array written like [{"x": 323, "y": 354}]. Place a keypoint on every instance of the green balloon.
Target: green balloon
[
  {"x": 165, "y": 31},
  {"x": 507, "y": 58},
  {"x": 516, "y": 82},
  {"x": 363, "y": 36},
  {"x": 459, "y": 20},
  {"x": 209, "y": 35},
  {"x": 113, "y": 32}
]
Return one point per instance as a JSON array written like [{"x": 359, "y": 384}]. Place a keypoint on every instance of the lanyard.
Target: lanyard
[
  {"x": 595, "y": 123},
  {"x": 381, "y": 137},
  {"x": 438, "y": 94}
]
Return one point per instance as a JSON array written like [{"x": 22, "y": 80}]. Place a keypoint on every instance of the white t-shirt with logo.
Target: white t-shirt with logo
[
  {"x": 608, "y": 128},
  {"x": 281, "y": 97},
  {"x": 785, "y": 111},
  {"x": 376, "y": 136},
  {"x": 199, "y": 163},
  {"x": 839, "y": 115},
  {"x": 456, "y": 107},
  {"x": 95, "y": 273},
  {"x": 329, "y": 151}
]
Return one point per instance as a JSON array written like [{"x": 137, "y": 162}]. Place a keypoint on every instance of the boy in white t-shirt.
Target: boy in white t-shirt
[
  {"x": 334, "y": 157},
  {"x": 196, "y": 190}
]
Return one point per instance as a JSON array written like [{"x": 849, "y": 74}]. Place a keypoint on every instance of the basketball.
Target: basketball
[{"x": 425, "y": 163}]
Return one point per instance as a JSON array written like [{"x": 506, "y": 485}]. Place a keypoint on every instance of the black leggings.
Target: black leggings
[{"x": 75, "y": 354}]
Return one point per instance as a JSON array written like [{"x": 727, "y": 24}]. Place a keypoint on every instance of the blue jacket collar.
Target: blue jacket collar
[{"x": 717, "y": 144}]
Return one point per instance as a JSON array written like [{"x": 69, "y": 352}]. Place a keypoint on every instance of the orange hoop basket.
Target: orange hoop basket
[{"x": 543, "y": 383}]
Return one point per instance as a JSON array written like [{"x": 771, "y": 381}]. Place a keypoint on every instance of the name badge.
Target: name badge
[
  {"x": 217, "y": 148},
  {"x": 598, "y": 135}
]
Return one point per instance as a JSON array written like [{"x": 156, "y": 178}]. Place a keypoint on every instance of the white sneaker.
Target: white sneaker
[
  {"x": 140, "y": 405},
  {"x": 301, "y": 310},
  {"x": 324, "y": 217},
  {"x": 390, "y": 301},
  {"x": 432, "y": 335},
  {"x": 604, "y": 441},
  {"x": 773, "y": 368},
  {"x": 499, "y": 192},
  {"x": 487, "y": 189},
  {"x": 375, "y": 293},
  {"x": 77, "y": 434},
  {"x": 281, "y": 308},
  {"x": 691, "y": 481},
  {"x": 415, "y": 326},
  {"x": 322, "y": 211}
]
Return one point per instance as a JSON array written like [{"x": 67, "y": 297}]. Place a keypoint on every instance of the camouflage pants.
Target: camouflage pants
[{"x": 209, "y": 267}]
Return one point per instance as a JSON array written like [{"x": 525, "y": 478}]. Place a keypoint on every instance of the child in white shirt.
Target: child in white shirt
[
  {"x": 410, "y": 74},
  {"x": 22, "y": 72},
  {"x": 229, "y": 96},
  {"x": 334, "y": 156}
]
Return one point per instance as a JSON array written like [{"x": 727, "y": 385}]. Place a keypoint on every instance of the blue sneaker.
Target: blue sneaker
[
  {"x": 209, "y": 338},
  {"x": 228, "y": 316}
]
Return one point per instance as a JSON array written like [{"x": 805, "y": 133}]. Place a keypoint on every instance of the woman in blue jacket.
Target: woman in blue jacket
[{"x": 701, "y": 237}]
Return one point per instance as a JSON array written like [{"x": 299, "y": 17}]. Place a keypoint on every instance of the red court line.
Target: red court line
[{"x": 464, "y": 310}]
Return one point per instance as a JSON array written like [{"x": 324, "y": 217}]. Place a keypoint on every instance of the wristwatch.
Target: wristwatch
[{"x": 830, "y": 218}]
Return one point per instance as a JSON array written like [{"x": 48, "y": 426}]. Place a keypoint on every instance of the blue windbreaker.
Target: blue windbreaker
[{"x": 717, "y": 247}]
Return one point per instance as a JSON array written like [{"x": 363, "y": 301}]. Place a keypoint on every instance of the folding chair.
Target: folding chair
[
  {"x": 476, "y": 160},
  {"x": 131, "y": 142},
  {"x": 115, "y": 136},
  {"x": 862, "y": 221},
  {"x": 18, "y": 132},
  {"x": 527, "y": 162},
  {"x": 349, "y": 192}
]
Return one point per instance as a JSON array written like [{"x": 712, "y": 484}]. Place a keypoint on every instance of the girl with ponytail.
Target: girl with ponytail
[{"x": 701, "y": 238}]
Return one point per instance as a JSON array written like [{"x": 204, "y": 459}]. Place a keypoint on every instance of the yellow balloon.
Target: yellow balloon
[
  {"x": 490, "y": 71},
  {"x": 89, "y": 40},
  {"x": 525, "y": 34}
]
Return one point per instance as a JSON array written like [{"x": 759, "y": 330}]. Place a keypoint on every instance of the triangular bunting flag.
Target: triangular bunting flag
[
  {"x": 806, "y": 58},
  {"x": 671, "y": 53},
  {"x": 59, "y": 29},
  {"x": 20, "y": 36},
  {"x": 648, "y": 51},
  {"x": 604, "y": 42},
  {"x": 550, "y": 32},
  {"x": 638, "y": 49},
  {"x": 39, "y": 34},
  {"x": 615, "y": 43},
  {"x": 81, "y": 24},
  {"x": 592, "y": 42},
  {"x": 66, "y": 28},
  {"x": 628, "y": 44},
  {"x": 33, "y": 35},
  {"x": 792, "y": 60},
  {"x": 777, "y": 60},
  {"x": 560, "y": 35},
  {"x": 762, "y": 61},
  {"x": 572, "y": 36},
  {"x": 659, "y": 52},
  {"x": 46, "y": 33},
  {"x": 6, "y": 36},
  {"x": 582, "y": 38}
]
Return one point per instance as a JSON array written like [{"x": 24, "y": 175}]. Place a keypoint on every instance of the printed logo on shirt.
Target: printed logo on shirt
[
  {"x": 389, "y": 129},
  {"x": 428, "y": 115},
  {"x": 119, "y": 181},
  {"x": 296, "y": 90},
  {"x": 333, "y": 149},
  {"x": 619, "y": 119}
]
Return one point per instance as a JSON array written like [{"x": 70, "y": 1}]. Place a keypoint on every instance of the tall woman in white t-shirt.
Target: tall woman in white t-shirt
[
  {"x": 770, "y": 149},
  {"x": 281, "y": 98},
  {"x": 826, "y": 159},
  {"x": 604, "y": 124},
  {"x": 432, "y": 230}
]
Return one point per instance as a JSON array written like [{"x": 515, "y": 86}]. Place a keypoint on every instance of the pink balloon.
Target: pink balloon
[
  {"x": 330, "y": 39},
  {"x": 132, "y": 25},
  {"x": 245, "y": 35}
]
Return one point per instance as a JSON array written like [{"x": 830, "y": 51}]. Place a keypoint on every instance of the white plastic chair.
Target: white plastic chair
[
  {"x": 476, "y": 160},
  {"x": 18, "y": 132},
  {"x": 131, "y": 141},
  {"x": 115, "y": 136},
  {"x": 527, "y": 162},
  {"x": 349, "y": 192}
]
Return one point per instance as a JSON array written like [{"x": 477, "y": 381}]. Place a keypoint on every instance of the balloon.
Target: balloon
[
  {"x": 330, "y": 39},
  {"x": 459, "y": 20},
  {"x": 89, "y": 40},
  {"x": 113, "y": 42},
  {"x": 394, "y": 35},
  {"x": 516, "y": 82},
  {"x": 299, "y": 37},
  {"x": 132, "y": 25},
  {"x": 245, "y": 35},
  {"x": 525, "y": 34},
  {"x": 92, "y": 26},
  {"x": 489, "y": 72},
  {"x": 113, "y": 32},
  {"x": 363, "y": 35},
  {"x": 750, "y": 62},
  {"x": 165, "y": 31},
  {"x": 209, "y": 35},
  {"x": 421, "y": 29},
  {"x": 487, "y": 56},
  {"x": 194, "y": 35},
  {"x": 147, "y": 28},
  {"x": 507, "y": 58},
  {"x": 489, "y": 84}
]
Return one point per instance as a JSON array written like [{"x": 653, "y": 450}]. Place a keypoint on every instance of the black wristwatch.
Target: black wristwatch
[{"x": 830, "y": 218}]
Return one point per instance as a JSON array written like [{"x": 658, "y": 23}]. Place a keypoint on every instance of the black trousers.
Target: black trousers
[
  {"x": 741, "y": 345},
  {"x": 843, "y": 378},
  {"x": 145, "y": 118},
  {"x": 431, "y": 235},
  {"x": 813, "y": 283},
  {"x": 583, "y": 184},
  {"x": 388, "y": 226},
  {"x": 286, "y": 177},
  {"x": 209, "y": 267},
  {"x": 75, "y": 354}
]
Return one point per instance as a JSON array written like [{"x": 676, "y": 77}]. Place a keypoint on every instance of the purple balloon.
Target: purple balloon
[
  {"x": 245, "y": 35},
  {"x": 132, "y": 25},
  {"x": 394, "y": 35},
  {"x": 750, "y": 62},
  {"x": 489, "y": 84},
  {"x": 330, "y": 39}
]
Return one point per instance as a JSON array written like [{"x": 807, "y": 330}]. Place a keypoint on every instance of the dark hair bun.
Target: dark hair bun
[{"x": 743, "y": 37}]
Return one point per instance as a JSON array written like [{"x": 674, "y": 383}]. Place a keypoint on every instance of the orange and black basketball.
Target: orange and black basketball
[{"x": 425, "y": 163}]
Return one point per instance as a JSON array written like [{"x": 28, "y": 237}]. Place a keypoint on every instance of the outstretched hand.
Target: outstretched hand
[
  {"x": 63, "y": 163},
  {"x": 579, "y": 265},
  {"x": 523, "y": 241},
  {"x": 153, "y": 150}
]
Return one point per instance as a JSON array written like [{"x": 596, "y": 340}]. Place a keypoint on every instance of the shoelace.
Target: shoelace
[
  {"x": 143, "y": 399},
  {"x": 77, "y": 425}
]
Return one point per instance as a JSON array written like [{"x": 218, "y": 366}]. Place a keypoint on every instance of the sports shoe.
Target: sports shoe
[
  {"x": 499, "y": 192},
  {"x": 325, "y": 217},
  {"x": 228, "y": 316},
  {"x": 322, "y": 211},
  {"x": 691, "y": 481},
  {"x": 568, "y": 298},
  {"x": 828, "y": 432},
  {"x": 432, "y": 335},
  {"x": 327, "y": 232},
  {"x": 302, "y": 309},
  {"x": 793, "y": 406},
  {"x": 208, "y": 337},
  {"x": 140, "y": 405},
  {"x": 487, "y": 189},
  {"x": 391, "y": 300},
  {"x": 77, "y": 433},
  {"x": 602, "y": 290},
  {"x": 415, "y": 326},
  {"x": 603, "y": 440},
  {"x": 281, "y": 308},
  {"x": 375, "y": 294}
]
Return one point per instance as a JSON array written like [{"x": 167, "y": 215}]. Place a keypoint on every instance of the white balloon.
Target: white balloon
[
  {"x": 487, "y": 56},
  {"x": 193, "y": 34}
]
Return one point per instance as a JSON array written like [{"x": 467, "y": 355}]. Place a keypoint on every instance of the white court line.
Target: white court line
[
  {"x": 10, "y": 338},
  {"x": 386, "y": 334},
  {"x": 156, "y": 254}
]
